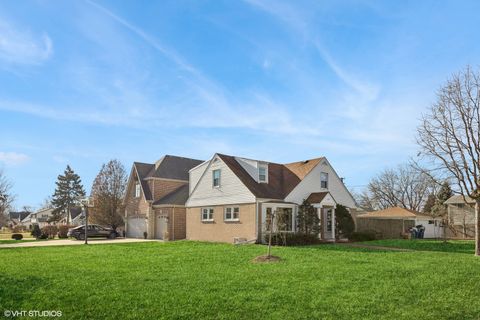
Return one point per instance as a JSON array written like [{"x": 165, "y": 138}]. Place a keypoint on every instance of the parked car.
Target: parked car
[{"x": 94, "y": 230}]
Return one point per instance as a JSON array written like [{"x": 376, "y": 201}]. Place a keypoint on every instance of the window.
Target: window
[
  {"x": 329, "y": 220},
  {"x": 262, "y": 173},
  {"x": 216, "y": 178},
  {"x": 232, "y": 213},
  {"x": 279, "y": 220},
  {"x": 207, "y": 214},
  {"x": 285, "y": 219},
  {"x": 323, "y": 180},
  {"x": 137, "y": 190},
  {"x": 268, "y": 219}
]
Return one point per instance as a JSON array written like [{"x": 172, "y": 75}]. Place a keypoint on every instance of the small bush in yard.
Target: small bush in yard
[
  {"x": 36, "y": 232},
  {"x": 17, "y": 236},
  {"x": 63, "y": 230},
  {"x": 50, "y": 232},
  {"x": 363, "y": 236}
]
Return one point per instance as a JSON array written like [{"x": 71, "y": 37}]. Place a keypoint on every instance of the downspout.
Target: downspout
[
  {"x": 173, "y": 223},
  {"x": 256, "y": 221}
]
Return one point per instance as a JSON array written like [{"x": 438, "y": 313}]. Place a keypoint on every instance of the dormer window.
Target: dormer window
[
  {"x": 216, "y": 178},
  {"x": 263, "y": 173},
  {"x": 323, "y": 180},
  {"x": 137, "y": 190}
]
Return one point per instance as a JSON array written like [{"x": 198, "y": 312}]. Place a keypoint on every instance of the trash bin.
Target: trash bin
[{"x": 413, "y": 233}]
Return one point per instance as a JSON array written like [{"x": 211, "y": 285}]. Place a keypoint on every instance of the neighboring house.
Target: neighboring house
[
  {"x": 155, "y": 198},
  {"x": 461, "y": 217},
  {"x": 395, "y": 222},
  {"x": 40, "y": 217},
  {"x": 76, "y": 217},
  {"x": 14, "y": 218},
  {"x": 233, "y": 198}
]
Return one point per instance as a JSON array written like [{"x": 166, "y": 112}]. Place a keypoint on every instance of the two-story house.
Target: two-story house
[
  {"x": 155, "y": 198},
  {"x": 461, "y": 217},
  {"x": 233, "y": 198}
]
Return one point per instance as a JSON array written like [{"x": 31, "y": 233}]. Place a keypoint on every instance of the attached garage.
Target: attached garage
[{"x": 136, "y": 227}]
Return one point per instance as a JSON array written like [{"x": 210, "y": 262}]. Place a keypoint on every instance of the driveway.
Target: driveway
[{"x": 68, "y": 242}]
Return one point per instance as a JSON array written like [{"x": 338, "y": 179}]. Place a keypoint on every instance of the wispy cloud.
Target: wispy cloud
[
  {"x": 21, "y": 46},
  {"x": 13, "y": 158}
]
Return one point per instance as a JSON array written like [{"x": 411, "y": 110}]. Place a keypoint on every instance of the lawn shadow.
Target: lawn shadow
[
  {"x": 14, "y": 291},
  {"x": 347, "y": 247}
]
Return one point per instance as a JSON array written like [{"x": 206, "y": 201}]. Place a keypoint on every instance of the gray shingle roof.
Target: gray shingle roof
[
  {"x": 176, "y": 197},
  {"x": 458, "y": 198},
  {"x": 168, "y": 167},
  {"x": 19, "y": 215},
  {"x": 173, "y": 167}
]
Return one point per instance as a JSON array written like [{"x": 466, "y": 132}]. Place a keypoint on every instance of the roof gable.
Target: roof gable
[
  {"x": 282, "y": 179},
  {"x": 168, "y": 167}
]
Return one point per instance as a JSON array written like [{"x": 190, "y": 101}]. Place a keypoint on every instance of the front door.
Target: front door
[{"x": 326, "y": 223}]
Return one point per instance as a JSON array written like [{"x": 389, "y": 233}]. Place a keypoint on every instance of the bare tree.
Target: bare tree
[
  {"x": 6, "y": 197},
  {"x": 46, "y": 203},
  {"x": 403, "y": 187},
  {"x": 107, "y": 192},
  {"x": 449, "y": 136}
]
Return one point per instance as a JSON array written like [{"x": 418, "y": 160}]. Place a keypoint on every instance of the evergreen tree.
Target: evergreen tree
[
  {"x": 69, "y": 189},
  {"x": 431, "y": 201},
  {"x": 308, "y": 221},
  {"x": 440, "y": 208},
  {"x": 344, "y": 224},
  {"x": 36, "y": 232}
]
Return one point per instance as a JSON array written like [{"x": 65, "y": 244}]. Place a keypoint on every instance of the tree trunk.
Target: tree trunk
[
  {"x": 477, "y": 227},
  {"x": 270, "y": 241}
]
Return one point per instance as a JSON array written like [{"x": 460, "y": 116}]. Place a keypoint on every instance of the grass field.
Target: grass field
[
  {"x": 458, "y": 246},
  {"x": 188, "y": 280}
]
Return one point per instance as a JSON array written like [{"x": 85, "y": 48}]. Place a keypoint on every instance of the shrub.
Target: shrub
[
  {"x": 36, "y": 232},
  {"x": 292, "y": 239},
  {"x": 363, "y": 236},
  {"x": 63, "y": 230},
  {"x": 344, "y": 224},
  {"x": 17, "y": 236},
  {"x": 49, "y": 231}
]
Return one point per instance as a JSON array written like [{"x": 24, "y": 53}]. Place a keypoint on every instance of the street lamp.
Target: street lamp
[{"x": 86, "y": 203}]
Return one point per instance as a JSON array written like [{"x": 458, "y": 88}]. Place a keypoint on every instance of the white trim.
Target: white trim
[
  {"x": 219, "y": 178},
  {"x": 231, "y": 212},
  {"x": 211, "y": 212},
  {"x": 262, "y": 165}
]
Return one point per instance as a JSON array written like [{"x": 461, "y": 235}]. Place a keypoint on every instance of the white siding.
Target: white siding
[
  {"x": 231, "y": 190},
  {"x": 195, "y": 174},
  {"x": 311, "y": 183}
]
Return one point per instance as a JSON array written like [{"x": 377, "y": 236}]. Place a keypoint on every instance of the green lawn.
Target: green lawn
[
  {"x": 188, "y": 280},
  {"x": 459, "y": 246}
]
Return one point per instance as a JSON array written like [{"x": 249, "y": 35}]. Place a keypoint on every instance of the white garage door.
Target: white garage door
[{"x": 136, "y": 227}]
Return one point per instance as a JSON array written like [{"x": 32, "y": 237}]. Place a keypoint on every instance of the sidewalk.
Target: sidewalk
[{"x": 68, "y": 242}]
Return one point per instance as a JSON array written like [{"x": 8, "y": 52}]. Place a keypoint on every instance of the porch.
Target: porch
[{"x": 282, "y": 216}]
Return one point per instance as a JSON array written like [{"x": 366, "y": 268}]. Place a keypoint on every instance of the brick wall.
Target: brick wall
[
  {"x": 220, "y": 230},
  {"x": 176, "y": 226},
  {"x": 135, "y": 206},
  {"x": 161, "y": 187}
]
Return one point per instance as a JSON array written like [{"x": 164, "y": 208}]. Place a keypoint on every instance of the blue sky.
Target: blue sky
[{"x": 87, "y": 81}]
